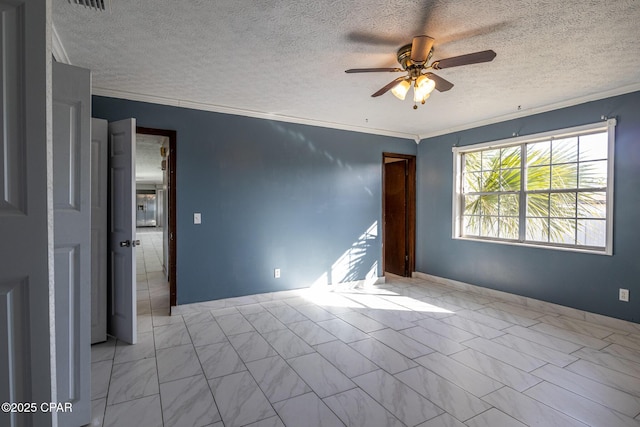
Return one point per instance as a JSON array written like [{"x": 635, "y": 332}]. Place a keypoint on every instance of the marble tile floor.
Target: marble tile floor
[{"x": 405, "y": 353}]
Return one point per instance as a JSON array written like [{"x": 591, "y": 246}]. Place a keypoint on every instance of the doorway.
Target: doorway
[
  {"x": 398, "y": 213},
  {"x": 156, "y": 195}
]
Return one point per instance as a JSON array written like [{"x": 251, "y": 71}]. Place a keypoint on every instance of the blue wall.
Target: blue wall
[
  {"x": 271, "y": 194},
  {"x": 584, "y": 281}
]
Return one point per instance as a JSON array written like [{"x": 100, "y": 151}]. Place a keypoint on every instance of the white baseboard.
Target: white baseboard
[
  {"x": 534, "y": 304},
  {"x": 269, "y": 296}
]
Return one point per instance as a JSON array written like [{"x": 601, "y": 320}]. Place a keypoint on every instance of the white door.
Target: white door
[
  {"x": 26, "y": 218},
  {"x": 99, "y": 152},
  {"x": 122, "y": 230},
  {"x": 72, "y": 239}
]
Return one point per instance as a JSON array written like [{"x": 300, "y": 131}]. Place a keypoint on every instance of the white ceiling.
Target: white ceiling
[{"x": 286, "y": 59}]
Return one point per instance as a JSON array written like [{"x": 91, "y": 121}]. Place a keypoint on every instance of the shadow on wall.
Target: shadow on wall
[
  {"x": 299, "y": 138},
  {"x": 333, "y": 208},
  {"x": 355, "y": 263}
]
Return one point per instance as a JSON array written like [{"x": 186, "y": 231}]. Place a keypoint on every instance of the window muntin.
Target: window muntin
[{"x": 554, "y": 190}]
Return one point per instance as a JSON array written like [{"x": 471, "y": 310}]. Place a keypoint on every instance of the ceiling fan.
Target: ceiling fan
[{"x": 413, "y": 59}]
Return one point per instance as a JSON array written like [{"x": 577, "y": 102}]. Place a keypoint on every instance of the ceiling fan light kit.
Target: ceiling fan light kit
[
  {"x": 422, "y": 88},
  {"x": 413, "y": 58},
  {"x": 400, "y": 90}
]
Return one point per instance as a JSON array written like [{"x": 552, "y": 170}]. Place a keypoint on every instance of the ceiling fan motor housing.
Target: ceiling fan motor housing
[{"x": 404, "y": 58}]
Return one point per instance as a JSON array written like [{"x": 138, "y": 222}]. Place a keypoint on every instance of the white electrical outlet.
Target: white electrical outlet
[
  {"x": 624, "y": 295},
  {"x": 197, "y": 218},
  {"x": 276, "y": 273}
]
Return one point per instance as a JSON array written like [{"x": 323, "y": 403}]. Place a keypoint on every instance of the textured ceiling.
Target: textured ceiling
[{"x": 286, "y": 59}]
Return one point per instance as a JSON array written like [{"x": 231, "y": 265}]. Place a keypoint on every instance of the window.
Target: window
[{"x": 553, "y": 189}]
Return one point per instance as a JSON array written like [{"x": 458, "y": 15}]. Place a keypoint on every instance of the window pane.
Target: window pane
[
  {"x": 471, "y": 226},
  {"x": 592, "y": 205},
  {"x": 472, "y": 181},
  {"x": 538, "y": 205},
  {"x": 594, "y": 147},
  {"x": 509, "y": 205},
  {"x": 489, "y": 204},
  {"x": 490, "y": 159},
  {"x": 538, "y": 178},
  {"x": 564, "y": 176},
  {"x": 510, "y": 179},
  {"x": 538, "y": 229},
  {"x": 490, "y": 181},
  {"x": 563, "y": 205},
  {"x": 592, "y": 232},
  {"x": 472, "y": 205},
  {"x": 510, "y": 157},
  {"x": 593, "y": 174},
  {"x": 538, "y": 153},
  {"x": 489, "y": 226},
  {"x": 562, "y": 231},
  {"x": 472, "y": 162},
  {"x": 509, "y": 227},
  {"x": 564, "y": 150}
]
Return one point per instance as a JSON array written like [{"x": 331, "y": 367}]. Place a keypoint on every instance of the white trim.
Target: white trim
[
  {"x": 541, "y": 245},
  {"x": 246, "y": 299},
  {"x": 534, "y": 304},
  {"x": 455, "y": 199},
  {"x": 560, "y": 133},
  {"x": 57, "y": 49},
  {"x": 133, "y": 96},
  {"x": 611, "y": 130},
  {"x": 456, "y": 215},
  {"x": 532, "y": 111},
  {"x": 246, "y": 113}
]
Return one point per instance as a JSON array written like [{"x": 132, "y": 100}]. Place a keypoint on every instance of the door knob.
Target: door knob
[
  {"x": 135, "y": 243},
  {"x": 125, "y": 244}
]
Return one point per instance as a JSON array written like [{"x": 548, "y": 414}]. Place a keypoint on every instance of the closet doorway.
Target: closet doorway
[{"x": 398, "y": 213}]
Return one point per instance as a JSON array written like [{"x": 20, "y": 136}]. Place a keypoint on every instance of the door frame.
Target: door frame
[
  {"x": 410, "y": 182},
  {"x": 172, "y": 232}
]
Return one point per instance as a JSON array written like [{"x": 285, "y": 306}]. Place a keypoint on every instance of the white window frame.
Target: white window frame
[{"x": 457, "y": 197}]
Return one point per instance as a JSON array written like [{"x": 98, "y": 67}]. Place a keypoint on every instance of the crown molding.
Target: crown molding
[
  {"x": 132, "y": 96},
  {"x": 530, "y": 112},
  {"x": 57, "y": 49}
]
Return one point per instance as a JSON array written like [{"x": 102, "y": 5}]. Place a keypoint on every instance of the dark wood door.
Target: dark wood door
[{"x": 395, "y": 217}]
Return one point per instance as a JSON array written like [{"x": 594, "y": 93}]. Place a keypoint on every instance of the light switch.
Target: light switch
[{"x": 197, "y": 218}]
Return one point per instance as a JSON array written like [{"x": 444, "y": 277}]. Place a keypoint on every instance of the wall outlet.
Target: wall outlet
[
  {"x": 276, "y": 273},
  {"x": 197, "y": 218},
  {"x": 624, "y": 295}
]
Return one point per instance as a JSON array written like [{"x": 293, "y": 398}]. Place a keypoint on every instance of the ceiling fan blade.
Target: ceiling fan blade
[
  {"x": 373, "y": 38},
  {"x": 470, "y": 33},
  {"x": 470, "y": 58},
  {"x": 372, "y": 70},
  {"x": 390, "y": 85},
  {"x": 420, "y": 49},
  {"x": 442, "y": 85}
]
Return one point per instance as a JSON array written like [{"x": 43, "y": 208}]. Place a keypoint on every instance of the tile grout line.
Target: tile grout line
[{"x": 462, "y": 342}]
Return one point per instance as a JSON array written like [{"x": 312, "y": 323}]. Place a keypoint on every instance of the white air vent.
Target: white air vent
[{"x": 92, "y": 4}]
